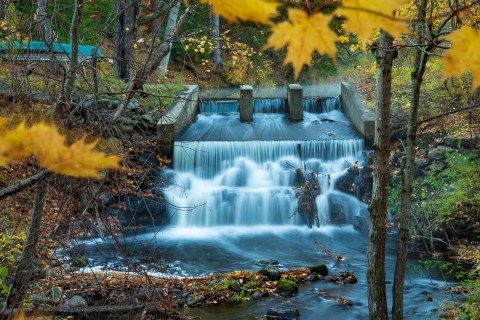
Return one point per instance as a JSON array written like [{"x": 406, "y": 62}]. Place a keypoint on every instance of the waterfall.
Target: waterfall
[
  {"x": 321, "y": 105},
  {"x": 230, "y": 173}
]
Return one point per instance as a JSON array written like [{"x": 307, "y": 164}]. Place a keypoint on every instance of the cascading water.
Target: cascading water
[
  {"x": 230, "y": 173},
  {"x": 233, "y": 201}
]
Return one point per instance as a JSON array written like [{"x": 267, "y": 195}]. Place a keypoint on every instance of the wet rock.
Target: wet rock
[
  {"x": 445, "y": 149},
  {"x": 147, "y": 160},
  {"x": 319, "y": 269},
  {"x": 346, "y": 277},
  {"x": 133, "y": 105},
  {"x": 435, "y": 155},
  {"x": 147, "y": 119},
  {"x": 282, "y": 314},
  {"x": 287, "y": 287},
  {"x": 344, "y": 301},
  {"x": 256, "y": 295},
  {"x": 75, "y": 302},
  {"x": 313, "y": 277},
  {"x": 55, "y": 294},
  {"x": 147, "y": 211},
  {"x": 422, "y": 162},
  {"x": 272, "y": 273},
  {"x": 105, "y": 198},
  {"x": 38, "y": 299},
  {"x": 465, "y": 143},
  {"x": 437, "y": 166},
  {"x": 193, "y": 301},
  {"x": 267, "y": 262}
]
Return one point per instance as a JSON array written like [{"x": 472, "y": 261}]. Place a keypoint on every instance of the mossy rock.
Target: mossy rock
[
  {"x": 272, "y": 273},
  {"x": 319, "y": 269},
  {"x": 287, "y": 287}
]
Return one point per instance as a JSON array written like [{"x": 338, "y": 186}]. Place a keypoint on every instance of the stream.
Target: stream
[{"x": 233, "y": 201}]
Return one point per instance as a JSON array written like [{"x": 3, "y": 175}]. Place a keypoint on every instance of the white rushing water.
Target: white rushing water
[{"x": 252, "y": 183}]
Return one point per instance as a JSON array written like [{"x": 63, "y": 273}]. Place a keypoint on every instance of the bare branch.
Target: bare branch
[{"x": 19, "y": 186}]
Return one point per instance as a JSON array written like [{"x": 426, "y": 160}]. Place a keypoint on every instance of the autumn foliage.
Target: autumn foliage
[{"x": 49, "y": 147}]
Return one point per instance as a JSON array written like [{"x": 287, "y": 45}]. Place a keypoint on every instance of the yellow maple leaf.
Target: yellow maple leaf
[
  {"x": 303, "y": 34},
  {"x": 253, "y": 10},
  {"x": 49, "y": 147},
  {"x": 464, "y": 54},
  {"x": 364, "y": 16}
]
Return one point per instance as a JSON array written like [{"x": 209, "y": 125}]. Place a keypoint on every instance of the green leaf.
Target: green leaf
[{"x": 3, "y": 272}]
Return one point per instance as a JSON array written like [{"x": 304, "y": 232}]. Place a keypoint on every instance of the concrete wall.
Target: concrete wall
[
  {"x": 356, "y": 111},
  {"x": 177, "y": 117}
]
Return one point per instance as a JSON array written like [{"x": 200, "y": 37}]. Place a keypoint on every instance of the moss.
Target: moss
[{"x": 287, "y": 287}]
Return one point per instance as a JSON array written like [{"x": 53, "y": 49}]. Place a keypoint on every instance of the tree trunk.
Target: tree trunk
[
  {"x": 44, "y": 21},
  {"x": 377, "y": 300},
  {"x": 4, "y": 8},
  {"x": 172, "y": 21},
  {"x": 215, "y": 26},
  {"x": 138, "y": 79},
  {"x": 26, "y": 265},
  {"x": 156, "y": 23},
  {"x": 125, "y": 30},
  {"x": 420, "y": 62},
  {"x": 71, "y": 77}
]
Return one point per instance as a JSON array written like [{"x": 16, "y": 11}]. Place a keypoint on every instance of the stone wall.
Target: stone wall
[
  {"x": 177, "y": 117},
  {"x": 356, "y": 111}
]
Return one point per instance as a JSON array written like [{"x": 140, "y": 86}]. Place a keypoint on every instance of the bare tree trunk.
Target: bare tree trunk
[
  {"x": 172, "y": 21},
  {"x": 44, "y": 21},
  {"x": 128, "y": 11},
  {"x": 156, "y": 23},
  {"x": 377, "y": 299},
  {"x": 138, "y": 79},
  {"x": 26, "y": 265},
  {"x": 420, "y": 62},
  {"x": 71, "y": 77},
  {"x": 4, "y": 8},
  {"x": 215, "y": 26}
]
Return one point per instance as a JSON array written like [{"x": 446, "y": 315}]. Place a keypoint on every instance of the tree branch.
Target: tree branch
[
  {"x": 448, "y": 113},
  {"x": 19, "y": 186}
]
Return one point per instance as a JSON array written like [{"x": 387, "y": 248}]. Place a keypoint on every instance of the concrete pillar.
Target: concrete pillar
[
  {"x": 246, "y": 103},
  {"x": 295, "y": 102}
]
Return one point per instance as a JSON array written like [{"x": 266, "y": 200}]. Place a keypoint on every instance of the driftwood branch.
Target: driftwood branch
[{"x": 19, "y": 186}]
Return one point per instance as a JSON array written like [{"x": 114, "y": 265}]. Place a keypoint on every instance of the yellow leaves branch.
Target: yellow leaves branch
[
  {"x": 49, "y": 147},
  {"x": 305, "y": 33}
]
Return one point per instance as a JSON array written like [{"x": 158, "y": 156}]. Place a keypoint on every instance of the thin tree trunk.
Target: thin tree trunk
[
  {"x": 4, "y": 8},
  {"x": 420, "y": 62},
  {"x": 377, "y": 299},
  {"x": 215, "y": 25},
  {"x": 71, "y": 77},
  {"x": 26, "y": 265},
  {"x": 155, "y": 24},
  {"x": 138, "y": 79},
  {"x": 128, "y": 11},
  {"x": 44, "y": 21},
  {"x": 172, "y": 21}
]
